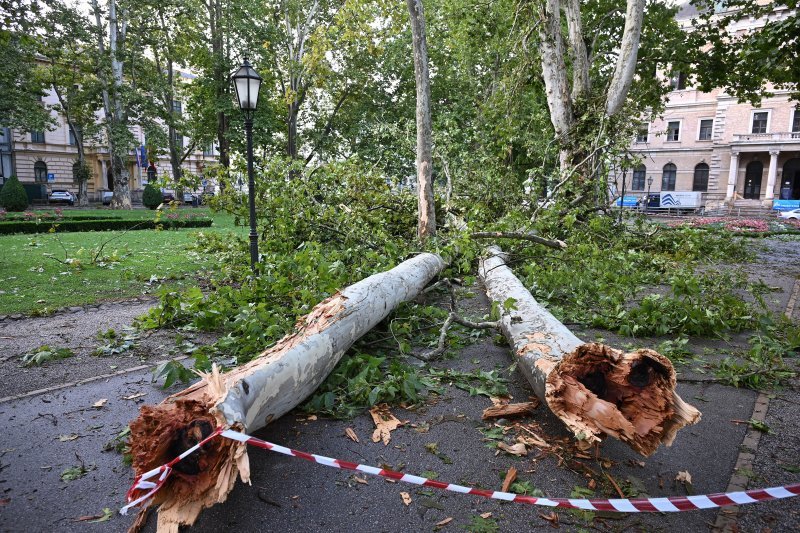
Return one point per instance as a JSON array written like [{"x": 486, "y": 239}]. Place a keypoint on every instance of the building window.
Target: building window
[
  {"x": 40, "y": 172},
  {"x": 72, "y": 140},
  {"x": 176, "y": 107},
  {"x": 178, "y": 138},
  {"x": 208, "y": 150},
  {"x": 637, "y": 183},
  {"x": 641, "y": 133},
  {"x": 796, "y": 123},
  {"x": 678, "y": 81},
  {"x": 674, "y": 131},
  {"x": 668, "y": 177},
  {"x": 705, "y": 129},
  {"x": 760, "y": 121},
  {"x": 700, "y": 182},
  {"x": 37, "y": 137}
]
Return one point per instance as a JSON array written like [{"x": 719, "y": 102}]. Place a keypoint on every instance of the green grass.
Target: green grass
[{"x": 33, "y": 283}]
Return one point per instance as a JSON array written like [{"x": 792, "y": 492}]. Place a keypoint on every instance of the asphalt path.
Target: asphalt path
[{"x": 46, "y": 433}]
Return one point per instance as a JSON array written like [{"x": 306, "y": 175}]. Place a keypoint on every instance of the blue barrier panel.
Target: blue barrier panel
[
  {"x": 785, "y": 205},
  {"x": 628, "y": 201}
]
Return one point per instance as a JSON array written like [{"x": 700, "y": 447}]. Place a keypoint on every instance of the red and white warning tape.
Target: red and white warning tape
[{"x": 670, "y": 504}]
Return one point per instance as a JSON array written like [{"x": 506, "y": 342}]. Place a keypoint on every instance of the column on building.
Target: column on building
[
  {"x": 732, "y": 175},
  {"x": 773, "y": 174}
]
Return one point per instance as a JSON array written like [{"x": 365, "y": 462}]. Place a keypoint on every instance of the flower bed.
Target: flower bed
[{"x": 742, "y": 225}]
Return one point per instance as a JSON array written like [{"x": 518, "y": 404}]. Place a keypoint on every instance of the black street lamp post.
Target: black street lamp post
[
  {"x": 247, "y": 82},
  {"x": 647, "y": 201}
]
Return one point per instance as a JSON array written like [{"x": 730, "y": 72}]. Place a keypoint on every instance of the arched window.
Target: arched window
[
  {"x": 637, "y": 184},
  {"x": 700, "y": 182},
  {"x": 40, "y": 172},
  {"x": 668, "y": 177}
]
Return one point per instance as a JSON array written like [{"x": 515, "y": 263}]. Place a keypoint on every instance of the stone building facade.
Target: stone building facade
[
  {"x": 729, "y": 151},
  {"x": 47, "y": 158}
]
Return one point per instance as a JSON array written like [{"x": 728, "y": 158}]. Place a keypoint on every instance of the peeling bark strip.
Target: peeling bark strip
[
  {"x": 253, "y": 395},
  {"x": 594, "y": 389}
]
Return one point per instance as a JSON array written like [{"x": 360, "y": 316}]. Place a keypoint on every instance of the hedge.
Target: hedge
[{"x": 7, "y": 228}]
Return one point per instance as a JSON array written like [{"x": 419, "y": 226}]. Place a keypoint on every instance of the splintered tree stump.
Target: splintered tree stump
[
  {"x": 594, "y": 389},
  {"x": 253, "y": 395}
]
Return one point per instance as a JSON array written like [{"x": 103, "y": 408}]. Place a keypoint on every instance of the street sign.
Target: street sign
[{"x": 51, "y": 177}]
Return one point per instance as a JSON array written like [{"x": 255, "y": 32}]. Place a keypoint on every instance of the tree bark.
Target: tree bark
[
  {"x": 594, "y": 389},
  {"x": 626, "y": 62},
  {"x": 115, "y": 121},
  {"x": 426, "y": 226},
  {"x": 255, "y": 394}
]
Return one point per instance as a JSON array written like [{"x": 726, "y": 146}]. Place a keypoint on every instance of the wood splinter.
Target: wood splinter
[
  {"x": 252, "y": 395},
  {"x": 594, "y": 389}
]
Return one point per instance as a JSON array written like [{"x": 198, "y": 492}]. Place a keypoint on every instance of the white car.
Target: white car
[
  {"x": 62, "y": 196},
  {"x": 794, "y": 213}
]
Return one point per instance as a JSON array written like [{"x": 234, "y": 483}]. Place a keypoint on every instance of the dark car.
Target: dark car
[{"x": 167, "y": 196}]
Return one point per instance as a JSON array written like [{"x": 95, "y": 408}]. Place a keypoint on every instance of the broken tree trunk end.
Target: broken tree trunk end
[
  {"x": 253, "y": 395},
  {"x": 594, "y": 389}
]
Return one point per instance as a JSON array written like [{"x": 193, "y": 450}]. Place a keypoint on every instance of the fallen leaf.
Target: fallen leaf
[
  {"x": 352, "y": 434},
  {"x": 134, "y": 396},
  {"x": 406, "y": 498},
  {"x": 684, "y": 477},
  {"x": 100, "y": 403},
  {"x": 361, "y": 480},
  {"x": 444, "y": 522},
  {"x": 385, "y": 423},
  {"x": 511, "y": 475},
  {"x": 67, "y": 438},
  {"x": 486, "y": 515},
  {"x": 551, "y": 517},
  {"x": 517, "y": 449},
  {"x": 592, "y": 484},
  {"x": 311, "y": 418},
  {"x": 6, "y": 501}
]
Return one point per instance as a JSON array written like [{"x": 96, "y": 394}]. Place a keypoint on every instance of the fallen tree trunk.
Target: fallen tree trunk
[
  {"x": 253, "y": 395},
  {"x": 594, "y": 389}
]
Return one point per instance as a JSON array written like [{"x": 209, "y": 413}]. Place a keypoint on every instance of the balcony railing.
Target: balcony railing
[{"x": 767, "y": 137}]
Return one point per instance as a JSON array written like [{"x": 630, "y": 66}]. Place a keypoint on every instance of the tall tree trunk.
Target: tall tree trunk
[
  {"x": 426, "y": 226},
  {"x": 221, "y": 82},
  {"x": 626, "y": 62},
  {"x": 115, "y": 118}
]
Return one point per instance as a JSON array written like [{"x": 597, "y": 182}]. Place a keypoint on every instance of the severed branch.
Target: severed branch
[
  {"x": 441, "y": 346},
  {"x": 552, "y": 243},
  {"x": 594, "y": 389}
]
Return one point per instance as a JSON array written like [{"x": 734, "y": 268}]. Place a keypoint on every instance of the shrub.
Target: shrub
[
  {"x": 151, "y": 197},
  {"x": 13, "y": 196},
  {"x": 113, "y": 224}
]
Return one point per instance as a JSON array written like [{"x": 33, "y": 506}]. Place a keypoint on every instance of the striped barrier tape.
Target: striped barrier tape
[{"x": 670, "y": 504}]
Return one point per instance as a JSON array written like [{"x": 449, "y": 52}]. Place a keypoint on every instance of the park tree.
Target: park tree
[
  {"x": 112, "y": 59},
  {"x": 763, "y": 60},
  {"x": 67, "y": 44},
  {"x": 21, "y": 87}
]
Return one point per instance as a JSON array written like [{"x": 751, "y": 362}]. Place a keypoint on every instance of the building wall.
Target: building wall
[{"x": 59, "y": 156}]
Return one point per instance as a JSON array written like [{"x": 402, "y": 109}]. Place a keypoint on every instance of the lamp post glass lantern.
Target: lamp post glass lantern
[
  {"x": 647, "y": 201},
  {"x": 247, "y": 83}
]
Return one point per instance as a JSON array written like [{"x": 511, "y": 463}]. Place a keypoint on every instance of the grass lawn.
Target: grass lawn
[{"x": 31, "y": 282}]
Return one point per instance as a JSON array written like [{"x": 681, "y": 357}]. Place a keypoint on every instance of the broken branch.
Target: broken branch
[{"x": 552, "y": 243}]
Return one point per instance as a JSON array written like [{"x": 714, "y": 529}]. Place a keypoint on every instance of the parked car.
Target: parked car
[
  {"x": 794, "y": 213},
  {"x": 106, "y": 196},
  {"x": 167, "y": 196},
  {"x": 60, "y": 196},
  {"x": 191, "y": 198}
]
